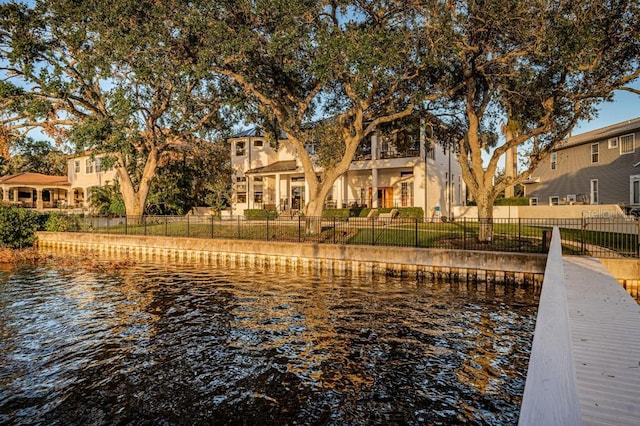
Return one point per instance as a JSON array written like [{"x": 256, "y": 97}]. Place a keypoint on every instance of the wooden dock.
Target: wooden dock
[
  {"x": 605, "y": 338},
  {"x": 584, "y": 367}
]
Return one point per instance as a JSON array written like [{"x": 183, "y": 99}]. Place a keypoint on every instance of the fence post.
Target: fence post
[
  {"x": 239, "y": 234},
  {"x": 373, "y": 231},
  {"x": 416, "y": 233},
  {"x": 144, "y": 221},
  {"x": 211, "y": 226},
  {"x": 267, "y": 226},
  {"x": 464, "y": 234},
  {"x": 519, "y": 234},
  {"x": 166, "y": 226},
  {"x": 299, "y": 224},
  {"x": 126, "y": 231},
  {"x": 188, "y": 230},
  {"x": 583, "y": 248},
  {"x": 334, "y": 230}
]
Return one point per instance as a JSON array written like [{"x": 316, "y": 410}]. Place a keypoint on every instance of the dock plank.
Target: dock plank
[{"x": 605, "y": 335}]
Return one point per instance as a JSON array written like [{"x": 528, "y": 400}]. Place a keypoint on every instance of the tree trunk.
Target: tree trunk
[
  {"x": 485, "y": 218},
  {"x": 136, "y": 200},
  {"x": 313, "y": 216}
]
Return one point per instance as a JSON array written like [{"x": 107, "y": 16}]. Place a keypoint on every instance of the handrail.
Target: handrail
[{"x": 550, "y": 393}]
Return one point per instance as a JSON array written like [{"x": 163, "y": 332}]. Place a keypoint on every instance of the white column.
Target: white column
[
  {"x": 39, "y": 202},
  {"x": 5, "y": 194},
  {"x": 277, "y": 200},
  {"x": 374, "y": 188}
]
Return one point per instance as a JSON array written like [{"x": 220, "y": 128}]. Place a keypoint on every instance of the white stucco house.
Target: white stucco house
[{"x": 382, "y": 175}]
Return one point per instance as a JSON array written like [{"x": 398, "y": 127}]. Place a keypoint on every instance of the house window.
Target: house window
[
  {"x": 594, "y": 191},
  {"x": 88, "y": 166},
  {"x": 98, "y": 165},
  {"x": 242, "y": 197},
  {"x": 635, "y": 189},
  {"x": 257, "y": 189},
  {"x": 76, "y": 166},
  {"x": 533, "y": 201},
  {"x": 240, "y": 149},
  {"x": 406, "y": 194},
  {"x": 612, "y": 143},
  {"x": 627, "y": 144},
  {"x": 554, "y": 201},
  {"x": 554, "y": 160},
  {"x": 594, "y": 152}
]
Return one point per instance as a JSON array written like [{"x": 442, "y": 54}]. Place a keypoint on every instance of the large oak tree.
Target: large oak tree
[
  {"x": 326, "y": 73},
  {"x": 523, "y": 74},
  {"x": 113, "y": 77}
]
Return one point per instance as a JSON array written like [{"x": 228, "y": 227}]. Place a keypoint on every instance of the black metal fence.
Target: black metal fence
[{"x": 617, "y": 237}]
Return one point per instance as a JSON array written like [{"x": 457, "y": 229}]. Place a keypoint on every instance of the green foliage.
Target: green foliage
[
  {"x": 34, "y": 156},
  {"x": 107, "y": 199},
  {"x": 58, "y": 222},
  {"x": 256, "y": 214},
  {"x": 18, "y": 226},
  {"x": 511, "y": 201},
  {"x": 201, "y": 177}
]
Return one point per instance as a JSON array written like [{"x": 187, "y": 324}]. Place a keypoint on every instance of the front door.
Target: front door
[
  {"x": 384, "y": 197},
  {"x": 297, "y": 197}
]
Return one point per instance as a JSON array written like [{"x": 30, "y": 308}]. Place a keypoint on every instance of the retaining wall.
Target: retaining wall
[{"x": 477, "y": 265}]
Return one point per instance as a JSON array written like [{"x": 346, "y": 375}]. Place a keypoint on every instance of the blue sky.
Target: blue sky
[{"x": 625, "y": 106}]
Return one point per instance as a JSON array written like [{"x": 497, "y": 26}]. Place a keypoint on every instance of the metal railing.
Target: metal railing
[{"x": 595, "y": 237}]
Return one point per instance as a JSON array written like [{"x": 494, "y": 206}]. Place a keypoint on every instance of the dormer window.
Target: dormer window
[{"x": 241, "y": 148}]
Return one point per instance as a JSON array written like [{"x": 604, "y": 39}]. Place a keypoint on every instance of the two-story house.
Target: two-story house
[
  {"x": 384, "y": 173},
  {"x": 35, "y": 190},
  {"x": 597, "y": 167}
]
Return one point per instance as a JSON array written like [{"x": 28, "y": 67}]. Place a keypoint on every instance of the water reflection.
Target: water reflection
[{"x": 175, "y": 345}]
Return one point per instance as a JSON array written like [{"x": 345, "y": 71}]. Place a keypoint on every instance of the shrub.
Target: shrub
[
  {"x": 404, "y": 212},
  {"x": 62, "y": 222},
  {"x": 337, "y": 213},
  {"x": 512, "y": 201},
  {"x": 256, "y": 214},
  {"x": 18, "y": 226}
]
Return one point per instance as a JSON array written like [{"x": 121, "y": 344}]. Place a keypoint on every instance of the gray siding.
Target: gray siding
[{"x": 575, "y": 170}]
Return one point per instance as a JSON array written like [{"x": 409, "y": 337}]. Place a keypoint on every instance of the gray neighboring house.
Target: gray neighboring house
[{"x": 598, "y": 167}]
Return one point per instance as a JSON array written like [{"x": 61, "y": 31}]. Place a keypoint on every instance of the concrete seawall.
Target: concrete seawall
[{"x": 401, "y": 261}]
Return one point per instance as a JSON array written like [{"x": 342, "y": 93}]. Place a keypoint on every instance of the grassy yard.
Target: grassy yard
[{"x": 518, "y": 237}]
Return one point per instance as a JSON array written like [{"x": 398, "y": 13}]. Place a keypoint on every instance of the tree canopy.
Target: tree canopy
[
  {"x": 111, "y": 77},
  {"x": 324, "y": 72},
  {"x": 522, "y": 74}
]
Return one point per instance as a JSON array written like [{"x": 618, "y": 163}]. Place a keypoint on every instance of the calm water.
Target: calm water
[{"x": 158, "y": 344}]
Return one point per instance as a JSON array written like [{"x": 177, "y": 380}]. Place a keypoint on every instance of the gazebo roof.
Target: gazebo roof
[{"x": 39, "y": 179}]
